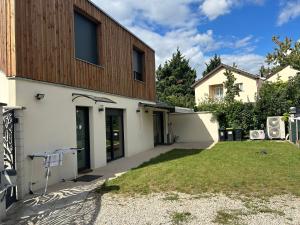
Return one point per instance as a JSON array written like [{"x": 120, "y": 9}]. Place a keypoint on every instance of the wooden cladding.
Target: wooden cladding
[
  {"x": 45, "y": 49},
  {"x": 3, "y": 63},
  {"x": 7, "y": 37}
]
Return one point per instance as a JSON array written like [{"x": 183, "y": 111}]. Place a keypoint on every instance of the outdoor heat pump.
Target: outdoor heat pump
[
  {"x": 275, "y": 127},
  {"x": 257, "y": 135}
]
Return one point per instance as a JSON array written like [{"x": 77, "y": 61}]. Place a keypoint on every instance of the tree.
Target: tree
[
  {"x": 213, "y": 63},
  {"x": 231, "y": 89},
  {"x": 264, "y": 71},
  {"x": 174, "y": 81},
  {"x": 285, "y": 53},
  {"x": 293, "y": 90}
]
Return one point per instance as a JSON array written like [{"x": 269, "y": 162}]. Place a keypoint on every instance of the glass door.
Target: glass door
[
  {"x": 114, "y": 134},
  {"x": 158, "y": 127},
  {"x": 83, "y": 138}
]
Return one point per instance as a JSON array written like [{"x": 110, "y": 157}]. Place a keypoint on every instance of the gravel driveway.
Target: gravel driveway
[{"x": 176, "y": 208}]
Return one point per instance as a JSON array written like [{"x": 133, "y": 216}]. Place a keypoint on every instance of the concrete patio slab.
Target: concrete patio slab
[{"x": 76, "y": 202}]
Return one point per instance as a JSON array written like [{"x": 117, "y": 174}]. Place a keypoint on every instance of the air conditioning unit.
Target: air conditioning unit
[
  {"x": 275, "y": 127},
  {"x": 257, "y": 135}
]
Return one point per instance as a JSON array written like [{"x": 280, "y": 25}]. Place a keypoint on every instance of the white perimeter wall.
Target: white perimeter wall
[
  {"x": 50, "y": 124},
  {"x": 194, "y": 127}
]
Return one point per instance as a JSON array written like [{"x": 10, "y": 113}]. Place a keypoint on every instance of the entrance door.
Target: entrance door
[
  {"x": 114, "y": 134},
  {"x": 83, "y": 138},
  {"x": 158, "y": 126}
]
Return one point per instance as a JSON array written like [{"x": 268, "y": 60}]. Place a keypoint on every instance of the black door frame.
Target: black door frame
[
  {"x": 109, "y": 113},
  {"x": 88, "y": 153},
  {"x": 160, "y": 114}
]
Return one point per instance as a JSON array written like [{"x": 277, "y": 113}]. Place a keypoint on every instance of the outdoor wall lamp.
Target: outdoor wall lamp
[
  {"x": 101, "y": 108},
  {"x": 39, "y": 96},
  {"x": 138, "y": 110}
]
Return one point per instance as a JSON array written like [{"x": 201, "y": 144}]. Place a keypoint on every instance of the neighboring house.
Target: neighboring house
[
  {"x": 75, "y": 78},
  {"x": 211, "y": 86},
  {"x": 283, "y": 75}
]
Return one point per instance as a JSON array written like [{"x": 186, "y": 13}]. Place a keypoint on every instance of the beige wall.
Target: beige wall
[
  {"x": 50, "y": 124},
  {"x": 284, "y": 74},
  {"x": 194, "y": 127},
  {"x": 247, "y": 95}
]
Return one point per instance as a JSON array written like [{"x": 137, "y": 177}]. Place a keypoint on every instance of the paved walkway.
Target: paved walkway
[{"x": 76, "y": 202}]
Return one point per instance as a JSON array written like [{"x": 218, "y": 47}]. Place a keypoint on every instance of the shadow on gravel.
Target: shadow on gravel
[{"x": 69, "y": 206}]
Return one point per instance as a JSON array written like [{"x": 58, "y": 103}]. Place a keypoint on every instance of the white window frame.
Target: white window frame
[
  {"x": 219, "y": 92},
  {"x": 240, "y": 86}
]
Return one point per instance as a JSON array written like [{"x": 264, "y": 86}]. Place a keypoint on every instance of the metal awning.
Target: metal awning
[
  {"x": 94, "y": 98},
  {"x": 158, "y": 106}
]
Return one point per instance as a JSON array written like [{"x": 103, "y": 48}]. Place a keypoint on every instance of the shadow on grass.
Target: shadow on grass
[
  {"x": 169, "y": 156},
  {"x": 104, "y": 189}
]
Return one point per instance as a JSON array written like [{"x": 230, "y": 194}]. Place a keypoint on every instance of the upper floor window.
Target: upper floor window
[
  {"x": 240, "y": 86},
  {"x": 86, "y": 46},
  {"x": 138, "y": 65}
]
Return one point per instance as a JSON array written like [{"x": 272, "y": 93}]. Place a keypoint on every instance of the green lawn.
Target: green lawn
[{"x": 232, "y": 167}]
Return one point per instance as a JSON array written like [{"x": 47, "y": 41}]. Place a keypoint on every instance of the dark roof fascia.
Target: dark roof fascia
[
  {"x": 242, "y": 72},
  {"x": 158, "y": 105},
  {"x": 93, "y": 98}
]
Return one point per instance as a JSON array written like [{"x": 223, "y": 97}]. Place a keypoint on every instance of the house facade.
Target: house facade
[
  {"x": 283, "y": 75},
  {"x": 212, "y": 85},
  {"x": 75, "y": 78}
]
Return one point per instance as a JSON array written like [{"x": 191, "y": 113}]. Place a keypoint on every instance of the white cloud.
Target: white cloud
[
  {"x": 190, "y": 42},
  {"x": 248, "y": 62},
  {"x": 197, "y": 47},
  {"x": 212, "y": 9},
  {"x": 168, "y": 25},
  {"x": 168, "y": 12},
  {"x": 290, "y": 10},
  {"x": 244, "y": 42},
  {"x": 215, "y": 8}
]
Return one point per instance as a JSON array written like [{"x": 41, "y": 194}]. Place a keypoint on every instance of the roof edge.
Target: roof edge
[
  {"x": 222, "y": 65},
  {"x": 274, "y": 73},
  {"x": 119, "y": 24}
]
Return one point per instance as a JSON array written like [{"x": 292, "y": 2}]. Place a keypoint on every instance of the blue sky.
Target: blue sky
[{"x": 239, "y": 31}]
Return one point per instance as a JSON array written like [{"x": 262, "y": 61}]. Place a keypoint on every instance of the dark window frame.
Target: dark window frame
[
  {"x": 99, "y": 40},
  {"x": 140, "y": 77}
]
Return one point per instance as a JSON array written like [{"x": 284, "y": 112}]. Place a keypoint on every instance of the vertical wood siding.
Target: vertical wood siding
[
  {"x": 3, "y": 49},
  {"x": 45, "y": 49},
  {"x": 7, "y": 37}
]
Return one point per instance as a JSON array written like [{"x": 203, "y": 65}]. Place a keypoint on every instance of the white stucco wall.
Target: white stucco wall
[
  {"x": 4, "y": 90},
  {"x": 248, "y": 94},
  {"x": 283, "y": 74},
  {"x": 50, "y": 124},
  {"x": 194, "y": 127}
]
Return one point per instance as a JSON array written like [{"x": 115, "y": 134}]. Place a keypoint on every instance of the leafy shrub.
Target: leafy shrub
[{"x": 234, "y": 115}]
